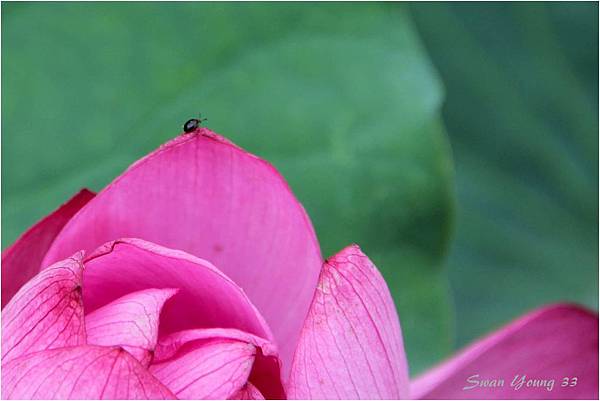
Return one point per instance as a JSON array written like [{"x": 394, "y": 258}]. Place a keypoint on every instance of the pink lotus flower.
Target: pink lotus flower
[{"x": 197, "y": 274}]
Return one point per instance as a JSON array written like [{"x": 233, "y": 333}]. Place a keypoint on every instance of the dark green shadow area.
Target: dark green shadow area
[{"x": 521, "y": 111}]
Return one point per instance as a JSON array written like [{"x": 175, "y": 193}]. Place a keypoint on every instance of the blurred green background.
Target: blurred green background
[{"x": 456, "y": 143}]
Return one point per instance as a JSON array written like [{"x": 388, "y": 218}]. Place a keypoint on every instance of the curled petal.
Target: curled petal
[
  {"x": 351, "y": 345},
  {"x": 131, "y": 322},
  {"x": 205, "y": 298},
  {"x": 85, "y": 372},
  {"x": 46, "y": 313},
  {"x": 202, "y": 194},
  {"x": 549, "y": 344},
  {"x": 248, "y": 392},
  {"x": 170, "y": 345},
  {"x": 207, "y": 369},
  {"x": 22, "y": 260},
  {"x": 266, "y": 369}
]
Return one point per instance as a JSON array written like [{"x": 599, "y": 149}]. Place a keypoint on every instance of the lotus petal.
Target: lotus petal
[
  {"x": 207, "y": 369},
  {"x": 559, "y": 343},
  {"x": 266, "y": 369},
  {"x": 85, "y": 372},
  {"x": 248, "y": 392},
  {"x": 202, "y": 194},
  {"x": 131, "y": 322},
  {"x": 351, "y": 345},
  {"x": 205, "y": 298},
  {"x": 46, "y": 313},
  {"x": 22, "y": 260}
]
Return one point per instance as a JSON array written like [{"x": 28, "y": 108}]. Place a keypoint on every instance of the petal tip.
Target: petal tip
[
  {"x": 349, "y": 250},
  {"x": 75, "y": 265},
  {"x": 568, "y": 307},
  {"x": 85, "y": 193}
]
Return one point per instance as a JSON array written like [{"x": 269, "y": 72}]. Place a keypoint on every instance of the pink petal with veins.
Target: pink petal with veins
[
  {"x": 22, "y": 260},
  {"x": 266, "y": 369},
  {"x": 351, "y": 345},
  {"x": 131, "y": 322},
  {"x": 85, "y": 372},
  {"x": 206, "y": 297},
  {"x": 202, "y": 194},
  {"x": 46, "y": 313},
  {"x": 248, "y": 392},
  {"x": 207, "y": 369},
  {"x": 549, "y": 344}
]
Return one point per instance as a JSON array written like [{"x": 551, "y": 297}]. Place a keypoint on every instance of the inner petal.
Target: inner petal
[
  {"x": 207, "y": 369},
  {"x": 131, "y": 322},
  {"x": 201, "y": 194},
  {"x": 245, "y": 357},
  {"x": 206, "y": 297}
]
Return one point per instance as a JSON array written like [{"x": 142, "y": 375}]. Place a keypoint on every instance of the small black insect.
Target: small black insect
[{"x": 193, "y": 124}]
